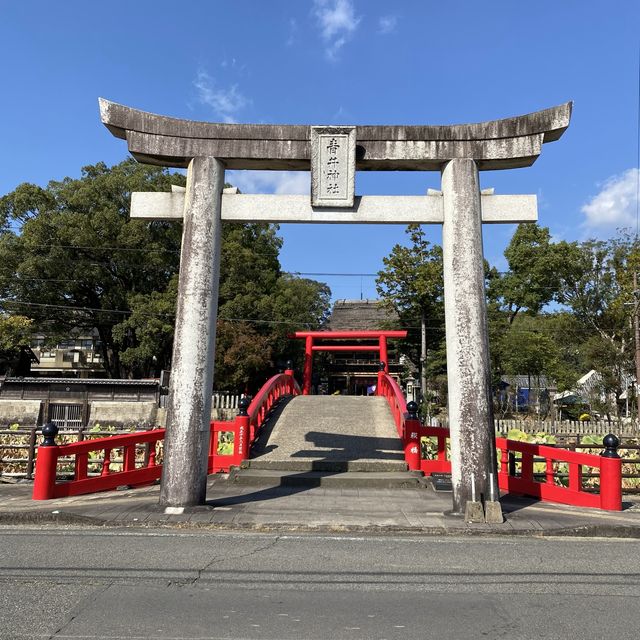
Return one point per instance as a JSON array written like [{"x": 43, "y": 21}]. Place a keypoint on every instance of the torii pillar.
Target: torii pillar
[
  {"x": 473, "y": 449},
  {"x": 333, "y": 154}
]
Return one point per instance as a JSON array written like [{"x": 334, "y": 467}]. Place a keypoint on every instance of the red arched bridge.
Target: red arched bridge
[{"x": 284, "y": 427}]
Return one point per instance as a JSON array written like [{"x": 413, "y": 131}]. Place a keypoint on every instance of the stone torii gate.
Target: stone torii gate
[{"x": 333, "y": 154}]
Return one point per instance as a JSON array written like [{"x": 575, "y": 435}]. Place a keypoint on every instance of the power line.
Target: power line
[
  {"x": 360, "y": 275},
  {"x": 89, "y": 248},
  {"x": 72, "y": 308},
  {"x": 638, "y": 157}
]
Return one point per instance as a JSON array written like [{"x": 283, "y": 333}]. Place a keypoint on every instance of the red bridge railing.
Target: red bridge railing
[
  {"x": 139, "y": 470},
  {"x": 246, "y": 426},
  {"x": 515, "y": 454},
  {"x": 405, "y": 416},
  {"x": 516, "y": 472},
  {"x": 134, "y": 471}
]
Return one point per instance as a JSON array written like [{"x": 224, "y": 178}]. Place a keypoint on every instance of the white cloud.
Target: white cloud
[
  {"x": 615, "y": 205},
  {"x": 279, "y": 182},
  {"x": 226, "y": 103},
  {"x": 293, "y": 32},
  {"x": 338, "y": 22},
  {"x": 387, "y": 24}
]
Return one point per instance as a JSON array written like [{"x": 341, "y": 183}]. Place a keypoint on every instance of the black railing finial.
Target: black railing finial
[
  {"x": 412, "y": 409},
  {"x": 243, "y": 405},
  {"x": 49, "y": 431},
  {"x": 611, "y": 444}
]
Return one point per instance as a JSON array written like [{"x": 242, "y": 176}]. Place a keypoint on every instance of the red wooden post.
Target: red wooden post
[
  {"x": 384, "y": 356},
  {"x": 504, "y": 461},
  {"x": 575, "y": 476},
  {"x": 152, "y": 454},
  {"x": 290, "y": 382},
  {"x": 412, "y": 453},
  {"x": 82, "y": 460},
  {"x": 380, "y": 387},
  {"x": 106, "y": 462},
  {"x": 242, "y": 440},
  {"x": 549, "y": 472},
  {"x": 308, "y": 366},
  {"x": 45, "y": 479},
  {"x": 526, "y": 472},
  {"x": 442, "y": 447},
  {"x": 129, "y": 457},
  {"x": 610, "y": 475}
]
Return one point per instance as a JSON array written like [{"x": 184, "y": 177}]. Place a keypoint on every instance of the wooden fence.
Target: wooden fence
[
  {"x": 623, "y": 429},
  {"x": 18, "y": 447},
  {"x": 219, "y": 400}
]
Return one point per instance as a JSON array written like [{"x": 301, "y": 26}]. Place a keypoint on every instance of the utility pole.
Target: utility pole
[{"x": 636, "y": 329}]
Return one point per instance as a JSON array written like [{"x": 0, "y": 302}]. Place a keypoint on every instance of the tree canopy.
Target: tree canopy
[
  {"x": 412, "y": 284},
  {"x": 71, "y": 258},
  {"x": 560, "y": 310}
]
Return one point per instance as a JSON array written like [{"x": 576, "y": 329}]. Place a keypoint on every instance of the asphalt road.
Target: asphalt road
[{"x": 134, "y": 584}]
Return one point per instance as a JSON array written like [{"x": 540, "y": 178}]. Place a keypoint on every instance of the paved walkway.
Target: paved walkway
[
  {"x": 351, "y": 429},
  {"x": 415, "y": 510}
]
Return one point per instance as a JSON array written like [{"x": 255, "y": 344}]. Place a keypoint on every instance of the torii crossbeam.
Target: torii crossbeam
[{"x": 334, "y": 154}]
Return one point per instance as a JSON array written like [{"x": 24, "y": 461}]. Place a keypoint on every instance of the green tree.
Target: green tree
[
  {"x": 597, "y": 287},
  {"x": 412, "y": 284},
  {"x": 146, "y": 335},
  {"x": 535, "y": 271},
  {"x": 71, "y": 258},
  {"x": 15, "y": 334}
]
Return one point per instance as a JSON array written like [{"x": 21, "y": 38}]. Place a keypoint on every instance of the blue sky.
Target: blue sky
[{"x": 336, "y": 62}]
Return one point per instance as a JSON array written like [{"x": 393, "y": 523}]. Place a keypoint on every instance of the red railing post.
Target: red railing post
[
  {"x": 412, "y": 453},
  {"x": 291, "y": 387},
  {"x": 380, "y": 390},
  {"x": 610, "y": 475},
  {"x": 151, "y": 462},
  {"x": 308, "y": 366},
  {"x": 82, "y": 460},
  {"x": 46, "y": 463},
  {"x": 106, "y": 462},
  {"x": 242, "y": 440},
  {"x": 384, "y": 356},
  {"x": 129, "y": 457}
]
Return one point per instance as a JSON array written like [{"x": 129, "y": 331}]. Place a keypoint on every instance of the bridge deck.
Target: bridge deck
[{"x": 334, "y": 429}]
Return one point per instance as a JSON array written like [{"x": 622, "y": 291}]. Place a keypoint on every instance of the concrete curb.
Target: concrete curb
[
  {"x": 47, "y": 517},
  {"x": 582, "y": 531}
]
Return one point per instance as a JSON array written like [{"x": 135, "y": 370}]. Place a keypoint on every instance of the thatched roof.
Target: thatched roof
[{"x": 363, "y": 315}]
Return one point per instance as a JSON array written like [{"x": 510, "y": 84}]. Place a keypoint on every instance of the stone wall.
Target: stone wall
[
  {"x": 26, "y": 413},
  {"x": 105, "y": 413},
  {"x": 123, "y": 414}
]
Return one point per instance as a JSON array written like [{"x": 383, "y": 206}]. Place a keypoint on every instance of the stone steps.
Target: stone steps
[
  {"x": 332, "y": 466},
  {"x": 346, "y": 480},
  {"x": 337, "y": 441}
]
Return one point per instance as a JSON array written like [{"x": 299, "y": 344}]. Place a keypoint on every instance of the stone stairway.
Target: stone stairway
[{"x": 342, "y": 441}]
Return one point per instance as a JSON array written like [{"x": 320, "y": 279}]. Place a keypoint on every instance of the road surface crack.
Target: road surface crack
[
  {"x": 223, "y": 558},
  {"x": 81, "y": 606}
]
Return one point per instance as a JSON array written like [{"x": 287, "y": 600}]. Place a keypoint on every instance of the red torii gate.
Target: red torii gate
[{"x": 310, "y": 347}]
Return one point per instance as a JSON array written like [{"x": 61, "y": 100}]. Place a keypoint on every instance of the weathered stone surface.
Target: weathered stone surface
[
  {"x": 367, "y": 209},
  {"x": 473, "y": 457},
  {"x": 26, "y": 413},
  {"x": 333, "y": 166},
  {"x": 497, "y": 144},
  {"x": 473, "y": 511},
  {"x": 189, "y": 404},
  {"x": 493, "y": 512},
  {"x": 122, "y": 414},
  {"x": 329, "y": 429}
]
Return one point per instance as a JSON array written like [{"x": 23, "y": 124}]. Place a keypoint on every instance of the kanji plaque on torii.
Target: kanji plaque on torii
[
  {"x": 458, "y": 152},
  {"x": 333, "y": 166}
]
